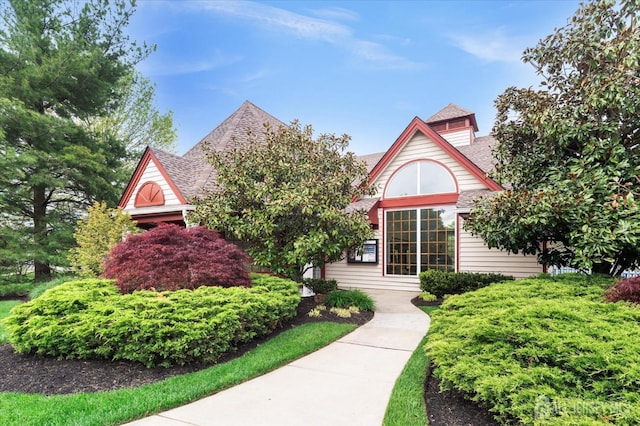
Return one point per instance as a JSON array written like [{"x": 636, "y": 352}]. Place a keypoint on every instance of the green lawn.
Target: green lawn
[
  {"x": 116, "y": 407},
  {"x": 406, "y": 405}
]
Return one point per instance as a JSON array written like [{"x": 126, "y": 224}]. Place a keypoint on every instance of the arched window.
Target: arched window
[
  {"x": 420, "y": 178},
  {"x": 149, "y": 194}
]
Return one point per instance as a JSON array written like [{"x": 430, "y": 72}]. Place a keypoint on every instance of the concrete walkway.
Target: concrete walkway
[{"x": 348, "y": 382}]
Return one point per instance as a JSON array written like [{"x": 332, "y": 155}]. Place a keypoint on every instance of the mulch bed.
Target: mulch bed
[
  {"x": 48, "y": 376},
  {"x": 450, "y": 408},
  {"x": 43, "y": 375}
]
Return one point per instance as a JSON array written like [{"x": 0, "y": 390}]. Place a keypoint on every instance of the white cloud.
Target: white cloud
[
  {"x": 492, "y": 46},
  {"x": 306, "y": 27},
  {"x": 159, "y": 66},
  {"x": 337, "y": 13}
]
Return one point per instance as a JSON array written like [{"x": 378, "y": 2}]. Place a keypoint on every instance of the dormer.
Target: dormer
[{"x": 455, "y": 124}]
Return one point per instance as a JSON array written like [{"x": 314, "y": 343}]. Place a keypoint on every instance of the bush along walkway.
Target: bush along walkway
[{"x": 347, "y": 382}]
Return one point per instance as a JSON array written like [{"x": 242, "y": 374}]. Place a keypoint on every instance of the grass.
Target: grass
[
  {"x": 406, "y": 406},
  {"x": 5, "y": 307},
  {"x": 116, "y": 407}
]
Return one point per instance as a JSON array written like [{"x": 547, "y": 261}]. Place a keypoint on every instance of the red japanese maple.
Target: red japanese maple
[{"x": 171, "y": 257}]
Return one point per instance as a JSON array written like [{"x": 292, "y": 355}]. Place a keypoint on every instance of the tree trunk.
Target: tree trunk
[
  {"x": 40, "y": 262},
  {"x": 602, "y": 268}
]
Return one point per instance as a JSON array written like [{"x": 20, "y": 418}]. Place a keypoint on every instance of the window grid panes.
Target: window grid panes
[{"x": 409, "y": 251}]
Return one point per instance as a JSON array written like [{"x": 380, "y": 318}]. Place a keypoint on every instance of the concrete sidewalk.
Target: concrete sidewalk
[{"x": 346, "y": 383}]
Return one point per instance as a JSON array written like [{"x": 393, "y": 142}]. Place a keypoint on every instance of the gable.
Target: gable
[
  {"x": 150, "y": 174},
  {"x": 420, "y": 142}
]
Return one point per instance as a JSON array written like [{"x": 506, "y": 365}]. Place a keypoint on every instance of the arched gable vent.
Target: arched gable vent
[{"x": 149, "y": 194}]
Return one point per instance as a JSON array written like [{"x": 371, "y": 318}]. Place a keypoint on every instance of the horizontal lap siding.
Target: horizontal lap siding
[
  {"x": 460, "y": 138},
  {"x": 475, "y": 256},
  {"x": 152, "y": 174}
]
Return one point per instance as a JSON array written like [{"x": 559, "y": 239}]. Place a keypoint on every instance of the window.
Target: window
[
  {"x": 413, "y": 248},
  {"x": 420, "y": 178}
]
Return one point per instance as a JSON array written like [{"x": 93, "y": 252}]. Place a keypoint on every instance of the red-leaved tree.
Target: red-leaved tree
[{"x": 170, "y": 257}]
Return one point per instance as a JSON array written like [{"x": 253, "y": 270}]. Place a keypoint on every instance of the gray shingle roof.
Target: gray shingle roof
[
  {"x": 450, "y": 112},
  {"x": 479, "y": 152},
  {"x": 363, "y": 205},
  {"x": 371, "y": 160},
  {"x": 192, "y": 173}
]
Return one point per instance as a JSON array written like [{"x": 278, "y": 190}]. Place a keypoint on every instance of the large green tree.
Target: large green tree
[
  {"x": 569, "y": 153},
  {"x": 286, "y": 198},
  {"x": 60, "y": 63}
]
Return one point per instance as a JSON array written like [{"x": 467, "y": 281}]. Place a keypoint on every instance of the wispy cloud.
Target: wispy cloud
[
  {"x": 180, "y": 66},
  {"x": 307, "y": 27},
  {"x": 491, "y": 46}
]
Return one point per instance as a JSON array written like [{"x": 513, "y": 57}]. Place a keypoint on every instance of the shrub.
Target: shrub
[
  {"x": 347, "y": 298},
  {"x": 95, "y": 235},
  {"x": 427, "y": 297},
  {"x": 90, "y": 319},
  {"x": 627, "y": 289},
  {"x": 170, "y": 257},
  {"x": 321, "y": 286},
  {"x": 40, "y": 288},
  {"x": 541, "y": 344},
  {"x": 442, "y": 282}
]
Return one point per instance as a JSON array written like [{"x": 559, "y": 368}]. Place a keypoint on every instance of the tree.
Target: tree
[
  {"x": 59, "y": 64},
  {"x": 286, "y": 199},
  {"x": 135, "y": 121},
  {"x": 569, "y": 152},
  {"x": 95, "y": 235},
  {"x": 170, "y": 257}
]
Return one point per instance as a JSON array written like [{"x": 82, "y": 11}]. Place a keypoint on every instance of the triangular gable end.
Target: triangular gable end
[
  {"x": 143, "y": 164},
  {"x": 417, "y": 125}
]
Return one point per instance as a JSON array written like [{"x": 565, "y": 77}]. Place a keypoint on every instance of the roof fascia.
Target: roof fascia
[{"x": 417, "y": 125}]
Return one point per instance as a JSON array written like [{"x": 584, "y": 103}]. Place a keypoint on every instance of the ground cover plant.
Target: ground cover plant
[
  {"x": 170, "y": 257},
  {"x": 545, "y": 350},
  {"x": 117, "y": 407},
  {"x": 90, "y": 319}
]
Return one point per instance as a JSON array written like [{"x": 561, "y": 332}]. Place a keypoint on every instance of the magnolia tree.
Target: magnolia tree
[
  {"x": 569, "y": 153},
  {"x": 286, "y": 198}
]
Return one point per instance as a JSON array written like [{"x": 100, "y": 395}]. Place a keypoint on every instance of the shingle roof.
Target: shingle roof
[
  {"x": 466, "y": 198},
  {"x": 451, "y": 112},
  {"x": 192, "y": 173},
  {"x": 371, "y": 160},
  {"x": 363, "y": 205},
  {"x": 479, "y": 152}
]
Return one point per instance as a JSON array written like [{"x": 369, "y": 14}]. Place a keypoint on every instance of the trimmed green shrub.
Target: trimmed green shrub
[
  {"x": 347, "y": 298},
  {"x": 40, "y": 288},
  {"x": 170, "y": 257},
  {"x": 427, "y": 297},
  {"x": 90, "y": 319},
  {"x": 541, "y": 351},
  {"x": 443, "y": 282},
  {"x": 320, "y": 285}
]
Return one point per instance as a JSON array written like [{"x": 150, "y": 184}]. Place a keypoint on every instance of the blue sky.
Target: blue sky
[{"x": 364, "y": 68}]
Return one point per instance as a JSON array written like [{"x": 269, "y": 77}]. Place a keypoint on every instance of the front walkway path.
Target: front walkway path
[{"x": 346, "y": 383}]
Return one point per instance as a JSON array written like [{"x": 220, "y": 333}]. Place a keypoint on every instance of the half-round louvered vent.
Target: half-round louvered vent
[{"x": 149, "y": 194}]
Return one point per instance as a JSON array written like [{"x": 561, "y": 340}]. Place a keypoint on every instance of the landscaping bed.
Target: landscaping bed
[{"x": 44, "y": 375}]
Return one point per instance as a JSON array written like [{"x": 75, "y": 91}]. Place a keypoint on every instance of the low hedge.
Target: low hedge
[
  {"x": 90, "y": 319},
  {"x": 441, "y": 283},
  {"x": 542, "y": 351},
  {"x": 320, "y": 285}
]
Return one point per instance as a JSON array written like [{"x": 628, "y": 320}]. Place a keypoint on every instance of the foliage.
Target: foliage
[
  {"x": 347, "y": 298},
  {"x": 440, "y": 283},
  {"x": 5, "y": 308},
  {"x": 406, "y": 405},
  {"x": 119, "y": 407},
  {"x": 568, "y": 152},
  {"x": 320, "y": 285},
  {"x": 59, "y": 64},
  {"x": 545, "y": 347},
  {"x": 427, "y": 297},
  {"x": 170, "y": 257},
  {"x": 16, "y": 289},
  {"x": 135, "y": 121},
  {"x": 286, "y": 197},
  {"x": 40, "y": 288},
  {"x": 89, "y": 319},
  {"x": 627, "y": 289},
  {"x": 95, "y": 235}
]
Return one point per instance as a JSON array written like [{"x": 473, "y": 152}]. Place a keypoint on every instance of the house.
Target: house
[{"x": 426, "y": 183}]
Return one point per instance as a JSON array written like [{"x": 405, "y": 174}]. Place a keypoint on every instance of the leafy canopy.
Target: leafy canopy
[
  {"x": 60, "y": 63},
  {"x": 569, "y": 152},
  {"x": 286, "y": 198}
]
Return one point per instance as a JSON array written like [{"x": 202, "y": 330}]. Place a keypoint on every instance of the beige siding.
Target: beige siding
[
  {"x": 475, "y": 256},
  {"x": 460, "y": 138},
  {"x": 152, "y": 174},
  {"x": 420, "y": 147}
]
